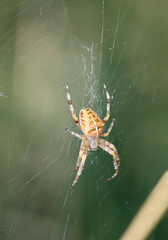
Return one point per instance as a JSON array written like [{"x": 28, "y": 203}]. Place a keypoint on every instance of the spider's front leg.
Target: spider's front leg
[
  {"x": 81, "y": 153},
  {"x": 110, "y": 148},
  {"x": 80, "y": 163}
]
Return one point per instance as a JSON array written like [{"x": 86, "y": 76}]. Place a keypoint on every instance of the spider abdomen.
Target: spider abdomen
[{"x": 90, "y": 122}]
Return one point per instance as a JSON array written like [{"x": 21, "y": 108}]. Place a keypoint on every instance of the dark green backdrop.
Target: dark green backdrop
[{"x": 43, "y": 45}]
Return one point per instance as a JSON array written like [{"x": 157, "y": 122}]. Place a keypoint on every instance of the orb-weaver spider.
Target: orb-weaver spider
[{"x": 92, "y": 126}]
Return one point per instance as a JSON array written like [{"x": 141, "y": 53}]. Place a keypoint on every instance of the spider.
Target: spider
[{"x": 92, "y": 126}]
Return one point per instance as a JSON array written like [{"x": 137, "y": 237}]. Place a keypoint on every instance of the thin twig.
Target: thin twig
[{"x": 151, "y": 212}]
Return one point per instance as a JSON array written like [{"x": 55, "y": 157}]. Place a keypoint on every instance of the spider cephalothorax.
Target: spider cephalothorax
[{"x": 92, "y": 126}]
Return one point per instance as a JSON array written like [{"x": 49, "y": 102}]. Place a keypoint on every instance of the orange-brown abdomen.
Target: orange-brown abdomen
[{"x": 90, "y": 122}]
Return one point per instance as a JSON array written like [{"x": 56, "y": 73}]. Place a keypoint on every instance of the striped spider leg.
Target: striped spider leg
[
  {"x": 78, "y": 136},
  {"x": 108, "y": 105},
  {"x": 109, "y": 130},
  {"x": 110, "y": 148},
  {"x": 71, "y": 107},
  {"x": 82, "y": 155},
  {"x": 80, "y": 163},
  {"x": 107, "y": 114}
]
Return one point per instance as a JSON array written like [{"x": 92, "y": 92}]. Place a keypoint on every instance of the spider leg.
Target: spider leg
[
  {"x": 80, "y": 163},
  {"x": 108, "y": 105},
  {"x": 71, "y": 107},
  {"x": 83, "y": 149},
  {"x": 109, "y": 130},
  {"x": 79, "y": 158},
  {"x": 110, "y": 148},
  {"x": 73, "y": 133}
]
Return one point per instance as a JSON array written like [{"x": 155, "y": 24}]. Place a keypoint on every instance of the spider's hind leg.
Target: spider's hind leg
[
  {"x": 71, "y": 107},
  {"x": 108, "y": 105}
]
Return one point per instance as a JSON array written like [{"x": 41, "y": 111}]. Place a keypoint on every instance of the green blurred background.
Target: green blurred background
[{"x": 43, "y": 45}]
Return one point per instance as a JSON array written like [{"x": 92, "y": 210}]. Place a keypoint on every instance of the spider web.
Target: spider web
[{"x": 44, "y": 45}]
